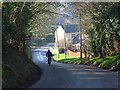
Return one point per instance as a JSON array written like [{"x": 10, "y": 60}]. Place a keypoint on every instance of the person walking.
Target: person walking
[{"x": 49, "y": 56}]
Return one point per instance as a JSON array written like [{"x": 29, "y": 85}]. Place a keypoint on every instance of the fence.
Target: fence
[{"x": 73, "y": 53}]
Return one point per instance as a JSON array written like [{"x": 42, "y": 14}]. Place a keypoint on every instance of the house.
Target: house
[
  {"x": 66, "y": 34},
  {"x": 59, "y": 36}
]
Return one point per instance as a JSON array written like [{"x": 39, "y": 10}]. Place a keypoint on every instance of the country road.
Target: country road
[{"x": 60, "y": 75}]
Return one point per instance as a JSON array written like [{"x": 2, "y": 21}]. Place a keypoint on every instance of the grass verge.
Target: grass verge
[{"x": 110, "y": 62}]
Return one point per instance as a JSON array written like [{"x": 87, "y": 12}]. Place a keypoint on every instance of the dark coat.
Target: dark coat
[{"x": 49, "y": 54}]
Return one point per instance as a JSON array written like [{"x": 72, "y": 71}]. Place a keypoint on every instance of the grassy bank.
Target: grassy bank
[
  {"x": 64, "y": 58},
  {"x": 109, "y": 62},
  {"x": 18, "y": 71}
]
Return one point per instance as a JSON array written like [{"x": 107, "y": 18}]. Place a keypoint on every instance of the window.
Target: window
[{"x": 73, "y": 36}]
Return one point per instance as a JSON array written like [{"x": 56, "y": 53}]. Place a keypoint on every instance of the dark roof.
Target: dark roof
[{"x": 71, "y": 28}]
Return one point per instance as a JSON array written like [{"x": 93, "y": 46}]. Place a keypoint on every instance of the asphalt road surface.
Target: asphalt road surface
[{"x": 60, "y": 75}]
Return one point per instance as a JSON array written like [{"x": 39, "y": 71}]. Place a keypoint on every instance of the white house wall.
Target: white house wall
[{"x": 59, "y": 33}]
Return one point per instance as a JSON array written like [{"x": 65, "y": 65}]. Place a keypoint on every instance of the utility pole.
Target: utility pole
[
  {"x": 64, "y": 39},
  {"x": 80, "y": 36},
  {"x": 57, "y": 42}
]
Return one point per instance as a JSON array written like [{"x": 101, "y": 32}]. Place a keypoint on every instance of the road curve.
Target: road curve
[{"x": 60, "y": 75}]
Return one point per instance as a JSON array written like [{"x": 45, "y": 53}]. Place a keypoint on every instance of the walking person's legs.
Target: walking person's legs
[{"x": 49, "y": 61}]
